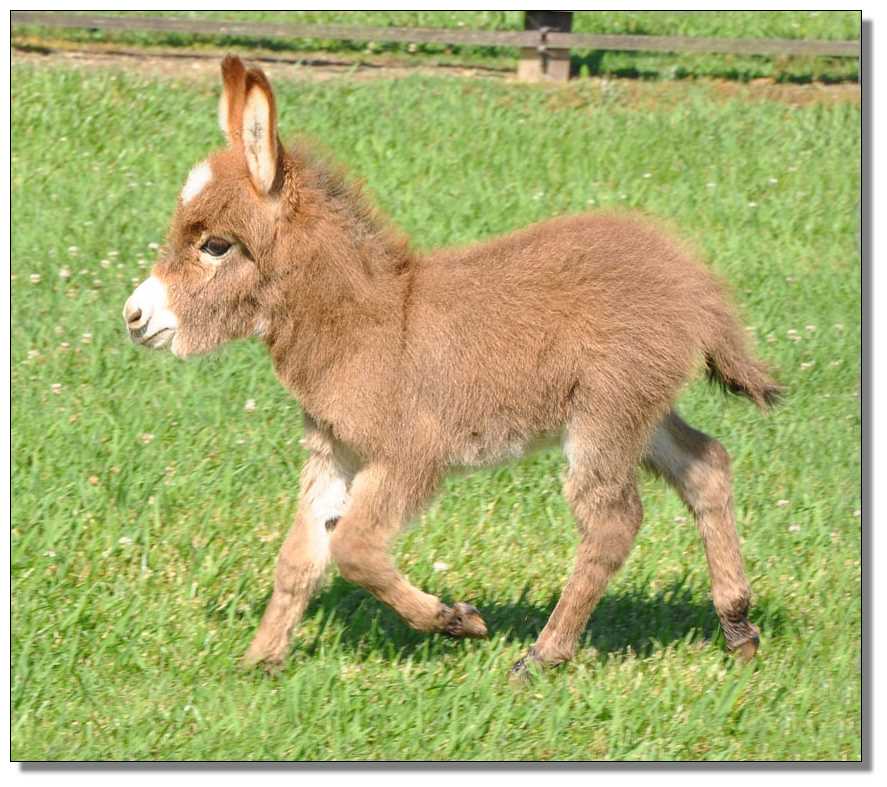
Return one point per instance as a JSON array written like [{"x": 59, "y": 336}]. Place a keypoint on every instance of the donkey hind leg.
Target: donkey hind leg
[
  {"x": 698, "y": 467},
  {"x": 382, "y": 501},
  {"x": 602, "y": 493},
  {"x": 305, "y": 554}
]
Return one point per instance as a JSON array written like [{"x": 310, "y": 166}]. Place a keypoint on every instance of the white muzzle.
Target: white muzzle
[{"x": 147, "y": 316}]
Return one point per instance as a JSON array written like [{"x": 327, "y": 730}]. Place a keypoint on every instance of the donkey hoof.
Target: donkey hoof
[
  {"x": 525, "y": 668},
  {"x": 260, "y": 657},
  {"x": 465, "y": 621},
  {"x": 271, "y": 667},
  {"x": 745, "y": 651},
  {"x": 743, "y": 638}
]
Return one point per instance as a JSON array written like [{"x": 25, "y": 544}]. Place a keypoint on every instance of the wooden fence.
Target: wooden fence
[{"x": 546, "y": 43}]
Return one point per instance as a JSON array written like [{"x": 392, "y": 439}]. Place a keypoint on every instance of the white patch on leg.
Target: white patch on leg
[
  {"x": 330, "y": 500},
  {"x": 325, "y": 486},
  {"x": 327, "y": 500},
  {"x": 197, "y": 181}
]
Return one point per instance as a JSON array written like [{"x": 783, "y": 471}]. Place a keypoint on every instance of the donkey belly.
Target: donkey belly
[{"x": 477, "y": 449}]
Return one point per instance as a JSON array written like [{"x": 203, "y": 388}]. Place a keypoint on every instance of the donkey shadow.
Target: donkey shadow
[{"x": 623, "y": 622}]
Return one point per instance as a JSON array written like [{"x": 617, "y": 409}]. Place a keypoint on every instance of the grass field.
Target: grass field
[
  {"x": 829, "y": 25},
  {"x": 149, "y": 501}
]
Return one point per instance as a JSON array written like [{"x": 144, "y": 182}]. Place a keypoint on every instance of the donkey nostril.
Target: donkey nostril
[{"x": 133, "y": 315}]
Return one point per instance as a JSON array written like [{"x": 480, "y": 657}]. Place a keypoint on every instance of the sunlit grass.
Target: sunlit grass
[{"x": 149, "y": 501}]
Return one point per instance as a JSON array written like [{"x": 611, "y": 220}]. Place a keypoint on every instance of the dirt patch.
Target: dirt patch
[
  {"x": 198, "y": 65},
  {"x": 665, "y": 94},
  {"x": 796, "y": 95},
  {"x": 204, "y": 66}
]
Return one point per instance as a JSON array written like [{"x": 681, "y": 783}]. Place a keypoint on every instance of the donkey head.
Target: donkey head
[{"x": 223, "y": 249}]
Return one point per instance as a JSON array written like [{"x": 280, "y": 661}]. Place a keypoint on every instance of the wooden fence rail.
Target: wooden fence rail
[{"x": 541, "y": 40}]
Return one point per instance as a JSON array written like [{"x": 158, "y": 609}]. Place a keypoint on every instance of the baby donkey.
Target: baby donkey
[{"x": 581, "y": 329}]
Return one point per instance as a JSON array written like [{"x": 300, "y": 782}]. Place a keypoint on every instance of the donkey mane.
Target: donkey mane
[{"x": 345, "y": 197}]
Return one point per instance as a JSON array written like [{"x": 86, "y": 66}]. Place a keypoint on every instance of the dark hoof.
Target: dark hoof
[
  {"x": 745, "y": 651},
  {"x": 465, "y": 621},
  {"x": 742, "y": 638},
  {"x": 525, "y": 668},
  {"x": 270, "y": 666},
  {"x": 263, "y": 655}
]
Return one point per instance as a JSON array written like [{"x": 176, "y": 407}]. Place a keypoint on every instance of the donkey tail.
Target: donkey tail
[{"x": 731, "y": 365}]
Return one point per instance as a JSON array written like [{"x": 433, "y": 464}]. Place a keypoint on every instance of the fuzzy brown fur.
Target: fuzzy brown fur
[{"x": 583, "y": 328}]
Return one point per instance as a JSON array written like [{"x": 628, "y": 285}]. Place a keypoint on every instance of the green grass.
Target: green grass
[
  {"x": 148, "y": 504},
  {"x": 828, "y": 25}
]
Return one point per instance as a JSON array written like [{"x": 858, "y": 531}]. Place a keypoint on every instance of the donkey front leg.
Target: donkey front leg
[
  {"x": 305, "y": 554},
  {"x": 382, "y": 501},
  {"x": 698, "y": 467}
]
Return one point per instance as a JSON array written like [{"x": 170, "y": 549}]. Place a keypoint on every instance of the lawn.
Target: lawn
[
  {"x": 825, "y": 25},
  {"x": 149, "y": 500}
]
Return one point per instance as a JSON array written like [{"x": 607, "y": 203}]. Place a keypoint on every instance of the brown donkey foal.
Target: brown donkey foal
[{"x": 582, "y": 329}]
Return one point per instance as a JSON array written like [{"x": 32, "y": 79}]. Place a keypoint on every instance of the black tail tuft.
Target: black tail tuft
[{"x": 744, "y": 377}]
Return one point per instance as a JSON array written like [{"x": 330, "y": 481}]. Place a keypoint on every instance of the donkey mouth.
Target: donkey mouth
[{"x": 156, "y": 340}]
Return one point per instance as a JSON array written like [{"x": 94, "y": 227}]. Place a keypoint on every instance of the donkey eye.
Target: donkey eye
[{"x": 216, "y": 247}]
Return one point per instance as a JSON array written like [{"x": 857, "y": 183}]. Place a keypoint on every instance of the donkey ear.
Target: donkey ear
[
  {"x": 260, "y": 144},
  {"x": 232, "y": 100}
]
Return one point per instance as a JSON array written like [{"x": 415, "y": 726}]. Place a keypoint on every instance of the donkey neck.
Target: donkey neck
[
  {"x": 337, "y": 334},
  {"x": 337, "y": 337}
]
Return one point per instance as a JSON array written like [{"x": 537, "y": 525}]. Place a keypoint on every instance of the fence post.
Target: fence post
[{"x": 540, "y": 62}]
